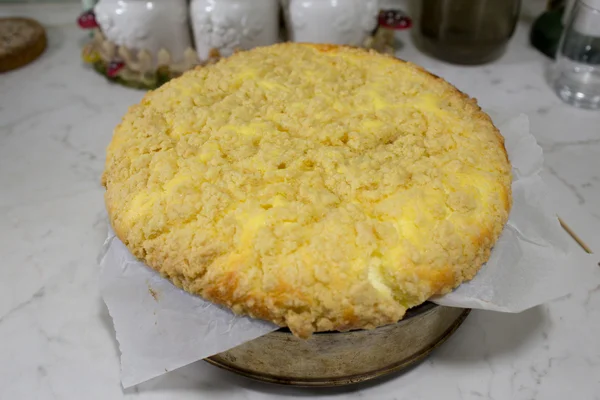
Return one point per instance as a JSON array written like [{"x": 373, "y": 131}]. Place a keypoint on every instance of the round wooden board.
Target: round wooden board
[{"x": 22, "y": 40}]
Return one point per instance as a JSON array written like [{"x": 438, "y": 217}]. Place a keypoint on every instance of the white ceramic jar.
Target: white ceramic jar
[
  {"x": 330, "y": 21},
  {"x": 149, "y": 25},
  {"x": 227, "y": 25}
]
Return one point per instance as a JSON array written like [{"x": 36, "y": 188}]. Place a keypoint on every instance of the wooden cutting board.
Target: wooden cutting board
[{"x": 22, "y": 40}]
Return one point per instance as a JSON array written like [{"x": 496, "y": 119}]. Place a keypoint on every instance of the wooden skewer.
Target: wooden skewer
[{"x": 574, "y": 236}]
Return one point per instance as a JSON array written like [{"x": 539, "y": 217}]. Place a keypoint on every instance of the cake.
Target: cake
[{"x": 320, "y": 187}]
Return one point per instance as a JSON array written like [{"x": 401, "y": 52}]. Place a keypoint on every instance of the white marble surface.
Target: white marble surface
[{"x": 57, "y": 340}]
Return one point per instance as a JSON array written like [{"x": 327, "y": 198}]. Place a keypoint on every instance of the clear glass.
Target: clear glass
[
  {"x": 466, "y": 31},
  {"x": 577, "y": 69}
]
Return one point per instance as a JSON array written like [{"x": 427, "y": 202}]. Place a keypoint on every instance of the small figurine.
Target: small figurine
[
  {"x": 388, "y": 22},
  {"x": 394, "y": 19},
  {"x": 87, "y": 20},
  {"x": 113, "y": 68}
]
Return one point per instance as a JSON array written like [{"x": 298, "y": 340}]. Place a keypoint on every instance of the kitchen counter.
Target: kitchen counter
[{"x": 57, "y": 339}]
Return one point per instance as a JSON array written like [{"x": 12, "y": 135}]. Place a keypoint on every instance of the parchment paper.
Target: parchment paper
[{"x": 160, "y": 327}]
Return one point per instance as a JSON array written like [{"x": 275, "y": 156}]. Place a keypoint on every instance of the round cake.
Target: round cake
[{"x": 319, "y": 187}]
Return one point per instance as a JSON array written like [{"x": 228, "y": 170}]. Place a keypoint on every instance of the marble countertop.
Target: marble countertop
[{"x": 57, "y": 340}]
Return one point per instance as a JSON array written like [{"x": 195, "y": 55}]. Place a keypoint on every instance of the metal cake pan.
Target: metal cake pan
[{"x": 342, "y": 358}]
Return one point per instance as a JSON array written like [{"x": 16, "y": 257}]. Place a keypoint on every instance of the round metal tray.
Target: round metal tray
[{"x": 342, "y": 358}]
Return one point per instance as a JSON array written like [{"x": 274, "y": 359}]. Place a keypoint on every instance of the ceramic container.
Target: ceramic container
[
  {"x": 222, "y": 26},
  {"x": 149, "y": 25},
  {"x": 347, "y": 22}
]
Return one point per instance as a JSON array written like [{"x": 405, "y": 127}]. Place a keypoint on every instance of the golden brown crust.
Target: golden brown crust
[{"x": 320, "y": 187}]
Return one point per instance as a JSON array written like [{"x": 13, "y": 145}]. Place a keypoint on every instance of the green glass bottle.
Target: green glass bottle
[{"x": 547, "y": 28}]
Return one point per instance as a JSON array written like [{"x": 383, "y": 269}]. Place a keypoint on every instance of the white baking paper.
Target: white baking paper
[
  {"x": 160, "y": 327},
  {"x": 534, "y": 261}
]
